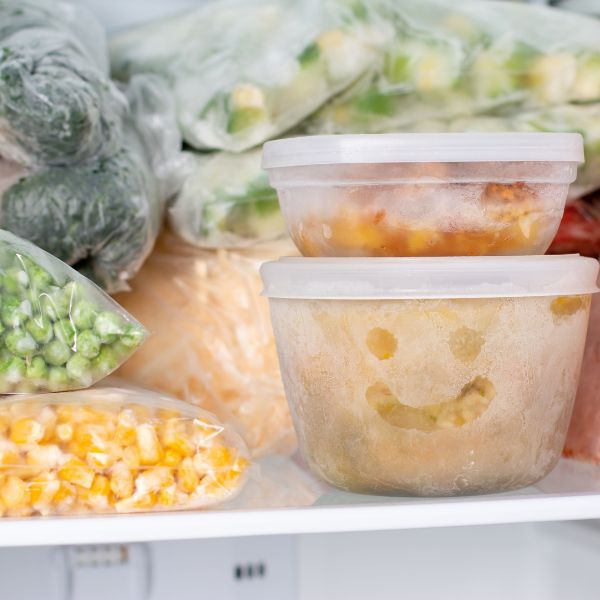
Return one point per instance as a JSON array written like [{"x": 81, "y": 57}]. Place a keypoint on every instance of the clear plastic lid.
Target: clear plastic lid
[
  {"x": 423, "y": 147},
  {"x": 415, "y": 278}
]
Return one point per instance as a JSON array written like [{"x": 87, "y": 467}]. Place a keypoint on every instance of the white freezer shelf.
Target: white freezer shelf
[{"x": 286, "y": 500}]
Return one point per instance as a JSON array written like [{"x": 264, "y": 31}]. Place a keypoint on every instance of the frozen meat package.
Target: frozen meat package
[
  {"x": 59, "y": 330},
  {"x": 113, "y": 449},
  {"x": 212, "y": 342}
]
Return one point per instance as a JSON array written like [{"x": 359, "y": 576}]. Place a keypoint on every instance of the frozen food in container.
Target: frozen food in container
[
  {"x": 423, "y": 194},
  {"x": 430, "y": 376},
  {"x": 58, "y": 330},
  {"x": 113, "y": 449}
]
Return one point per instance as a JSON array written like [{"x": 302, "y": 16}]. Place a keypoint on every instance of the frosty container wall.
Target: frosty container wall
[
  {"x": 423, "y": 194},
  {"x": 431, "y": 376}
]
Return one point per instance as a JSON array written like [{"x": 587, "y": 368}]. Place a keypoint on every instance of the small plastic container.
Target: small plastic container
[
  {"x": 428, "y": 376},
  {"x": 423, "y": 194},
  {"x": 113, "y": 450}
]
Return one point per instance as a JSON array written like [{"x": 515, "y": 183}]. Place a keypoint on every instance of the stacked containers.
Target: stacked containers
[{"x": 443, "y": 357}]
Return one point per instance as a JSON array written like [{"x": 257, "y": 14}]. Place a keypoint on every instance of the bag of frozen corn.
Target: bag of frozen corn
[
  {"x": 59, "y": 330},
  {"x": 212, "y": 342},
  {"x": 244, "y": 71},
  {"x": 113, "y": 449}
]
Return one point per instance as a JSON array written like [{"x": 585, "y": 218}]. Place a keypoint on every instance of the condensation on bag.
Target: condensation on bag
[{"x": 211, "y": 341}]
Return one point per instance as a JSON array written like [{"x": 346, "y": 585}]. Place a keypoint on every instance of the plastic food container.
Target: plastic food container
[
  {"x": 430, "y": 376},
  {"x": 423, "y": 194},
  {"x": 113, "y": 450},
  {"x": 583, "y": 439}
]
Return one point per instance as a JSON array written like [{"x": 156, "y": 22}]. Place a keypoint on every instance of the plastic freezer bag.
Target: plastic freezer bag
[
  {"x": 113, "y": 450},
  {"x": 244, "y": 71},
  {"x": 102, "y": 217},
  {"x": 57, "y": 103},
  {"x": 59, "y": 331},
  {"x": 212, "y": 342},
  {"x": 226, "y": 201},
  {"x": 456, "y": 59}
]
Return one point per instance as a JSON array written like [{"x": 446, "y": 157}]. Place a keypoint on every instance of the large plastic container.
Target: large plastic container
[
  {"x": 113, "y": 450},
  {"x": 430, "y": 376},
  {"x": 423, "y": 194}
]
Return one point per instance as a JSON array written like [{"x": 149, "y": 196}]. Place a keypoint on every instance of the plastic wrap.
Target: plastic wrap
[
  {"x": 112, "y": 449},
  {"x": 59, "y": 331},
  {"x": 583, "y": 439},
  {"x": 212, "y": 342},
  {"x": 103, "y": 216},
  {"x": 449, "y": 60},
  {"x": 57, "y": 103},
  {"x": 579, "y": 230},
  {"x": 227, "y": 201},
  {"x": 244, "y": 71}
]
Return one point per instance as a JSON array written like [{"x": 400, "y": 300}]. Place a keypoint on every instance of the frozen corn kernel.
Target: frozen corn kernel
[{"x": 63, "y": 458}]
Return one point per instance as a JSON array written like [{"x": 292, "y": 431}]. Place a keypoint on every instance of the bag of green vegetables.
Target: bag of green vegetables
[
  {"x": 244, "y": 71},
  {"x": 59, "y": 331}
]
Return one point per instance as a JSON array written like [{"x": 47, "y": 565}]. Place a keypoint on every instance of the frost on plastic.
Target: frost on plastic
[
  {"x": 244, "y": 71},
  {"x": 59, "y": 331},
  {"x": 462, "y": 59},
  {"x": 103, "y": 216},
  {"x": 113, "y": 450},
  {"x": 212, "y": 342},
  {"x": 57, "y": 103},
  {"x": 227, "y": 201}
]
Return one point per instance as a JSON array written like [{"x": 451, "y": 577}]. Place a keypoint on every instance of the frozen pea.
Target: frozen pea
[
  {"x": 58, "y": 379},
  {"x": 133, "y": 336},
  {"x": 80, "y": 369},
  {"x": 40, "y": 329},
  {"x": 56, "y": 353},
  {"x": 88, "y": 344},
  {"x": 20, "y": 342},
  {"x": 13, "y": 370},
  {"x": 15, "y": 280},
  {"x": 83, "y": 314},
  {"x": 65, "y": 332},
  {"x": 58, "y": 303},
  {"x": 37, "y": 369},
  {"x": 106, "y": 361},
  {"x": 39, "y": 278},
  {"x": 15, "y": 312},
  {"x": 108, "y": 325}
]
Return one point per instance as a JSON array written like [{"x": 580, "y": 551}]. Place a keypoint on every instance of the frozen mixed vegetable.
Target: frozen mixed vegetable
[
  {"x": 113, "y": 450},
  {"x": 258, "y": 68},
  {"x": 461, "y": 59},
  {"x": 59, "y": 331},
  {"x": 103, "y": 216},
  {"x": 212, "y": 342},
  {"x": 227, "y": 201},
  {"x": 57, "y": 103}
]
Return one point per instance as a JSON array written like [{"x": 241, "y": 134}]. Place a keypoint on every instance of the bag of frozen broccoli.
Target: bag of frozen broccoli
[
  {"x": 103, "y": 216},
  {"x": 469, "y": 57},
  {"x": 227, "y": 201},
  {"x": 57, "y": 103},
  {"x": 243, "y": 71},
  {"x": 59, "y": 331}
]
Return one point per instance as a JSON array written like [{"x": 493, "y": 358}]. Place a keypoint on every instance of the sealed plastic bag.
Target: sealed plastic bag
[
  {"x": 57, "y": 103},
  {"x": 212, "y": 342},
  {"x": 103, "y": 216},
  {"x": 244, "y": 71},
  {"x": 227, "y": 201},
  {"x": 113, "y": 449},
  {"x": 464, "y": 58},
  {"x": 59, "y": 331}
]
